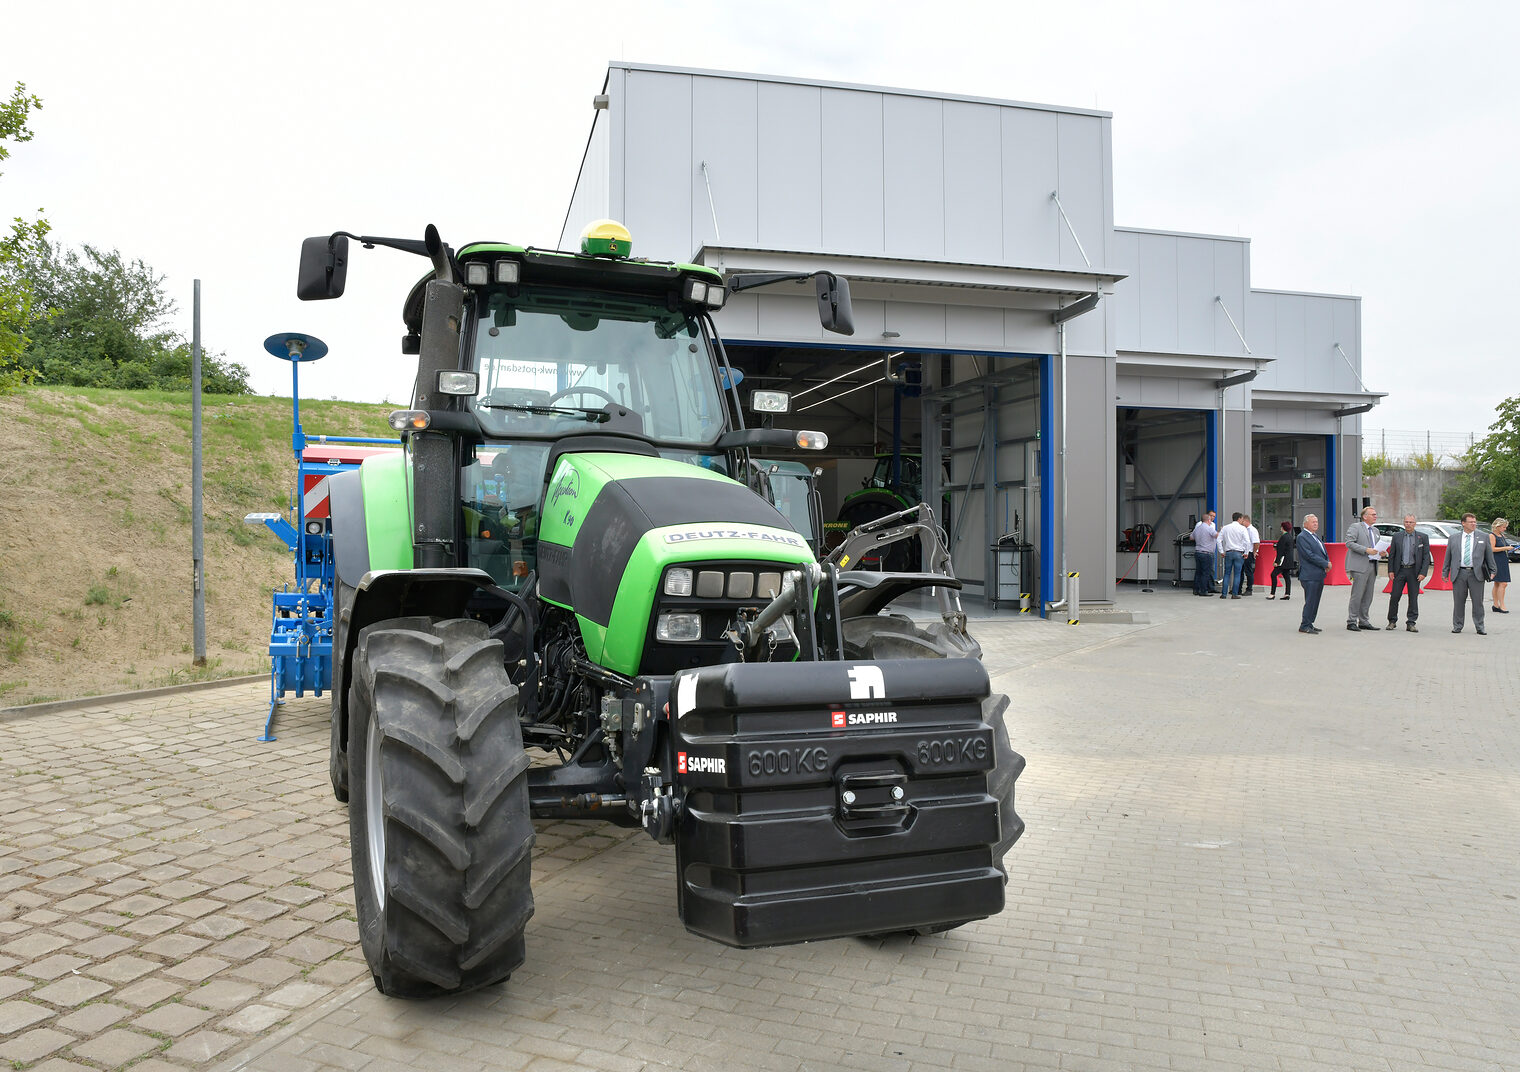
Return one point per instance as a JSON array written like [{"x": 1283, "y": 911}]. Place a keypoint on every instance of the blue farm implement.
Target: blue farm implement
[{"x": 300, "y": 639}]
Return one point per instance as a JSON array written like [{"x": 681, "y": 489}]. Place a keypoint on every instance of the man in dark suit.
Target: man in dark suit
[
  {"x": 1313, "y": 561},
  {"x": 1469, "y": 562},
  {"x": 1409, "y": 564}
]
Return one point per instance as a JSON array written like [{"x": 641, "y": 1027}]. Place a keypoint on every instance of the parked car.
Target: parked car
[{"x": 1439, "y": 530}]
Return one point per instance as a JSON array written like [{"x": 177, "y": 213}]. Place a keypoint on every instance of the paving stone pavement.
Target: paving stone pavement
[
  {"x": 1246, "y": 848},
  {"x": 170, "y": 887}
]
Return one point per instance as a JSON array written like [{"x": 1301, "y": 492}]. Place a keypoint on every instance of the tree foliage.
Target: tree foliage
[
  {"x": 96, "y": 320},
  {"x": 22, "y": 239},
  {"x": 105, "y": 326},
  {"x": 1490, "y": 486}
]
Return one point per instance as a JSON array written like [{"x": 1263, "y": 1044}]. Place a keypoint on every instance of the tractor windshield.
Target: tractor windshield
[
  {"x": 910, "y": 478},
  {"x": 790, "y": 486},
  {"x": 552, "y": 361}
]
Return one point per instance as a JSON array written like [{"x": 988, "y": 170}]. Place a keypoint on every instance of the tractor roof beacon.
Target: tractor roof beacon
[{"x": 565, "y": 559}]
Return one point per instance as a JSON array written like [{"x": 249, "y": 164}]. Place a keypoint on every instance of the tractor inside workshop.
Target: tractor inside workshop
[{"x": 564, "y": 600}]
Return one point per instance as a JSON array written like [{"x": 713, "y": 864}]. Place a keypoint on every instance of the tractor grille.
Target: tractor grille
[{"x": 718, "y": 592}]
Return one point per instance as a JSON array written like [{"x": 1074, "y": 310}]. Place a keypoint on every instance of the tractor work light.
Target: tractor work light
[
  {"x": 712, "y": 295},
  {"x": 454, "y": 382},
  {"x": 477, "y": 273},
  {"x": 507, "y": 271},
  {"x": 678, "y": 627},
  {"x": 408, "y": 420},
  {"x": 812, "y": 440},
  {"x": 770, "y": 401},
  {"x": 678, "y": 582}
]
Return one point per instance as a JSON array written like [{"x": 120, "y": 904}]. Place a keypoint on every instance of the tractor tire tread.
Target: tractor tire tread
[{"x": 456, "y": 821}]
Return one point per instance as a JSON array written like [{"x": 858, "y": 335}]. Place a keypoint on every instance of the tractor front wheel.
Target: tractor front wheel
[{"x": 438, "y": 816}]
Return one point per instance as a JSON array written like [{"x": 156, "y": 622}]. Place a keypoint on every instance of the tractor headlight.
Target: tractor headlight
[
  {"x": 678, "y": 582},
  {"x": 678, "y": 627},
  {"x": 717, "y": 294},
  {"x": 769, "y": 401},
  {"x": 454, "y": 382},
  {"x": 507, "y": 271},
  {"x": 812, "y": 440},
  {"x": 313, "y": 528},
  {"x": 477, "y": 273},
  {"x": 695, "y": 290}
]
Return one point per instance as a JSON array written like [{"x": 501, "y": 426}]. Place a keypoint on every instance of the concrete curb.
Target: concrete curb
[{"x": 10, "y": 714}]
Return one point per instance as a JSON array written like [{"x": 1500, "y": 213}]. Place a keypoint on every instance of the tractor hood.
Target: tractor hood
[{"x": 613, "y": 523}]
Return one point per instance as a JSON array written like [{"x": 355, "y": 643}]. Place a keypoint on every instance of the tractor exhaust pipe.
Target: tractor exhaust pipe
[{"x": 443, "y": 270}]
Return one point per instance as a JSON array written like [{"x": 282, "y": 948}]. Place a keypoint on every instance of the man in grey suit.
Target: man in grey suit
[
  {"x": 1469, "y": 562},
  {"x": 1361, "y": 565}
]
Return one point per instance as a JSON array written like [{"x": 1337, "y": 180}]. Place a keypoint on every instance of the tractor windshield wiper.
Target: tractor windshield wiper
[{"x": 593, "y": 416}]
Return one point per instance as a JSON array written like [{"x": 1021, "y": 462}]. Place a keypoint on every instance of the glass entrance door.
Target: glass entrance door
[
  {"x": 1272, "y": 504},
  {"x": 1309, "y": 498}
]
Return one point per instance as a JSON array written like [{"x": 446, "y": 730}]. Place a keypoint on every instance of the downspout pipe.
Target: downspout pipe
[{"x": 1224, "y": 419}]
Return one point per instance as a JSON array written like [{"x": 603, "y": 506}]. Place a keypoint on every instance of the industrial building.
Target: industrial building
[{"x": 1063, "y": 380}]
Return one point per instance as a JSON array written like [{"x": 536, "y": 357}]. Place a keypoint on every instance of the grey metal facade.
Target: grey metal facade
[{"x": 963, "y": 224}]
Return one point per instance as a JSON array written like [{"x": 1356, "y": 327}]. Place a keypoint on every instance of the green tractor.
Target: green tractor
[
  {"x": 792, "y": 488},
  {"x": 885, "y": 493},
  {"x": 564, "y": 601}
]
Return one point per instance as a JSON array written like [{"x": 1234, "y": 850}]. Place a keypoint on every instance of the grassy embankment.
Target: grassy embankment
[{"x": 95, "y": 534}]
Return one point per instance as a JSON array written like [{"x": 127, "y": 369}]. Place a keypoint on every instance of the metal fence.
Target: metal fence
[{"x": 1418, "y": 449}]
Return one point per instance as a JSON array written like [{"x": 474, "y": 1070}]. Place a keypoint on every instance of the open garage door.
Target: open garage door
[
  {"x": 959, "y": 431},
  {"x": 986, "y": 413},
  {"x": 1166, "y": 482}
]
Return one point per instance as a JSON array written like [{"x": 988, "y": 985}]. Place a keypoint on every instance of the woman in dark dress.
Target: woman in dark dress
[
  {"x": 1286, "y": 545},
  {"x": 1500, "y": 542}
]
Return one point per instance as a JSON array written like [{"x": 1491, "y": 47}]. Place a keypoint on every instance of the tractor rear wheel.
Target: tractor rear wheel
[
  {"x": 871, "y": 505},
  {"x": 886, "y": 636},
  {"x": 438, "y": 820}
]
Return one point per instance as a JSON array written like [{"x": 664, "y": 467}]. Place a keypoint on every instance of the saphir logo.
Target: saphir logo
[
  {"x": 837, "y": 719},
  {"x": 700, "y": 764}
]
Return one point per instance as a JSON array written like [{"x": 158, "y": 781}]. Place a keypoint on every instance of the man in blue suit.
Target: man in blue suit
[{"x": 1313, "y": 561}]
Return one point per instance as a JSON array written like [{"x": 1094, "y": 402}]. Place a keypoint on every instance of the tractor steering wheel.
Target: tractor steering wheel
[{"x": 583, "y": 391}]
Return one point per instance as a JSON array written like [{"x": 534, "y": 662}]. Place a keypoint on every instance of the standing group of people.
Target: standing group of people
[
  {"x": 1237, "y": 543},
  {"x": 1471, "y": 560}
]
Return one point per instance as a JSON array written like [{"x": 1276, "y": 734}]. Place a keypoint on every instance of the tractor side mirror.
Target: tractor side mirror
[
  {"x": 324, "y": 268},
  {"x": 834, "y": 309}
]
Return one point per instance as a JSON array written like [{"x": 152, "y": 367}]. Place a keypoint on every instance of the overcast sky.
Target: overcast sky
[{"x": 1365, "y": 148}]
